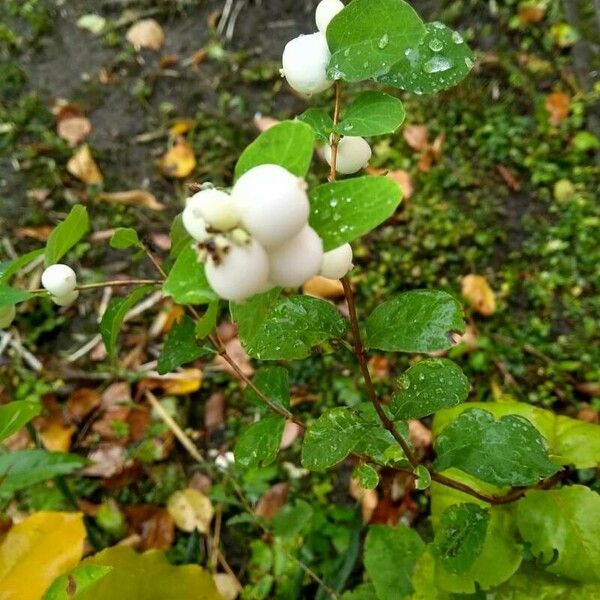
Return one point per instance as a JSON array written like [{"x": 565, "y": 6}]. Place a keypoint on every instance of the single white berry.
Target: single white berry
[
  {"x": 353, "y": 154},
  {"x": 66, "y": 299},
  {"x": 7, "y": 316},
  {"x": 305, "y": 61},
  {"x": 59, "y": 280},
  {"x": 297, "y": 260},
  {"x": 214, "y": 206},
  {"x": 273, "y": 204},
  {"x": 240, "y": 273},
  {"x": 337, "y": 262},
  {"x": 326, "y": 10}
]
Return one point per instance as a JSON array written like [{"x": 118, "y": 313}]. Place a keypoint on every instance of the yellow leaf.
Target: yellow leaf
[
  {"x": 82, "y": 166},
  {"x": 228, "y": 585},
  {"x": 181, "y": 126},
  {"x": 56, "y": 437},
  {"x": 179, "y": 161},
  {"x": 322, "y": 287},
  {"x": 146, "y": 33},
  {"x": 479, "y": 294},
  {"x": 191, "y": 510},
  {"x": 132, "y": 197},
  {"x": 38, "y": 550},
  {"x": 185, "y": 382}
]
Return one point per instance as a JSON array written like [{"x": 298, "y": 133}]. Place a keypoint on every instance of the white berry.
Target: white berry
[
  {"x": 353, "y": 154},
  {"x": 337, "y": 262},
  {"x": 326, "y": 10},
  {"x": 59, "y": 279},
  {"x": 214, "y": 206},
  {"x": 305, "y": 61},
  {"x": 273, "y": 204},
  {"x": 7, "y": 316},
  {"x": 297, "y": 260},
  {"x": 241, "y": 272},
  {"x": 66, "y": 299}
]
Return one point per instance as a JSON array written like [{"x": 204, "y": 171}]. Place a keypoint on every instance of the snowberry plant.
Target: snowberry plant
[{"x": 508, "y": 511}]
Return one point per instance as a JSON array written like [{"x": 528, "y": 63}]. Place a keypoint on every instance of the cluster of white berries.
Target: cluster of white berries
[
  {"x": 305, "y": 60},
  {"x": 258, "y": 236},
  {"x": 61, "y": 282}
]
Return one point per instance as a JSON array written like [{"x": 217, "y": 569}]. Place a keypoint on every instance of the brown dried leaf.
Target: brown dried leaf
[
  {"x": 238, "y": 354},
  {"x": 132, "y": 197},
  {"x": 511, "y": 181},
  {"x": 588, "y": 388},
  {"x": 108, "y": 426},
  {"x": 116, "y": 393},
  {"x": 55, "y": 432},
  {"x": 74, "y": 129},
  {"x": 191, "y": 510},
  {"x": 368, "y": 499},
  {"x": 82, "y": 402},
  {"x": 214, "y": 412},
  {"x": 82, "y": 166},
  {"x": 291, "y": 432},
  {"x": 558, "y": 106},
  {"x": 263, "y": 123},
  {"x": 146, "y": 33},
  {"x": 416, "y": 136},
  {"x": 107, "y": 461},
  {"x": 531, "y": 14},
  {"x": 179, "y": 161},
  {"x": 479, "y": 294},
  {"x": 420, "y": 435},
  {"x": 322, "y": 287},
  {"x": 153, "y": 524},
  {"x": 40, "y": 234},
  {"x": 272, "y": 500}
]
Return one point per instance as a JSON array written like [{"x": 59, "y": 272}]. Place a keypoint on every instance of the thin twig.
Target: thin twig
[{"x": 111, "y": 284}]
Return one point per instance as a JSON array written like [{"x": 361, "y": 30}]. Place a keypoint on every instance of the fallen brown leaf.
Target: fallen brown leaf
[
  {"x": 106, "y": 461},
  {"x": 153, "y": 524},
  {"x": 322, "y": 287},
  {"x": 368, "y": 499},
  {"x": 511, "y": 181},
  {"x": 146, "y": 33},
  {"x": 214, "y": 412},
  {"x": 116, "y": 393},
  {"x": 74, "y": 129},
  {"x": 132, "y": 197},
  {"x": 420, "y": 435},
  {"x": 179, "y": 161},
  {"x": 263, "y": 123},
  {"x": 531, "y": 14},
  {"x": 108, "y": 427},
  {"x": 479, "y": 294},
  {"x": 416, "y": 136},
  {"x": 82, "y": 402},
  {"x": 82, "y": 166},
  {"x": 588, "y": 414},
  {"x": 41, "y": 234},
  {"x": 402, "y": 178},
  {"x": 558, "y": 106},
  {"x": 291, "y": 432},
  {"x": 272, "y": 500},
  {"x": 238, "y": 354},
  {"x": 55, "y": 431}
]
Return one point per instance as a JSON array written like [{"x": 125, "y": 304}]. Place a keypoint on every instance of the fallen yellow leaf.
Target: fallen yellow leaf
[
  {"x": 184, "y": 382},
  {"x": 228, "y": 585},
  {"x": 132, "y": 197},
  {"x": 558, "y": 106},
  {"x": 38, "y": 550},
  {"x": 74, "y": 129},
  {"x": 191, "y": 510},
  {"x": 179, "y": 161},
  {"x": 479, "y": 294},
  {"x": 146, "y": 33},
  {"x": 322, "y": 287},
  {"x": 82, "y": 166},
  {"x": 56, "y": 437},
  {"x": 181, "y": 126}
]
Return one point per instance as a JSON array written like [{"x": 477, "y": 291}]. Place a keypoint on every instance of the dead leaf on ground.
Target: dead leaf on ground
[
  {"x": 55, "y": 431},
  {"x": 214, "y": 412},
  {"x": 106, "y": 461},
  {"x": 179, "y": 161},
  {"x": 227, "y": 585},
  {"x": 41, "y": 234},
  {"x": 196, "y": 58},
  {"x": 82, "y": 166},
  {"x": 558, "y": 105},
  {"x": 132, "y": 198},
  {"x": 200, "y": 481},
  {"x": 322, "y": 287},
  {"x": 116, "y": 393},
  {"x": 416, "y": 136},
  {"x": 153, "y": 524},
  {"x": 74, "y": 129},
  {"x": 379, "y": 366},
  {"x": 82, "y": 402},
  {"x": 402, "y": 178},
  {"x": 531, "y": 14},
  {"x": 184, "y": 382},
  {"x": 479, "y": 294},
  {"x": 109, "y": 426},
  {"x": 272, "y": 500},
  {"x": 181, "y": 126},
  {"x": 420, "y": 435},
  {"x": 238, "y": 354},
  {"x": 291, "y": 431},
  {"x": 227, "y": 330},
  {"x": 368, "y": 499},
  {"x": 588, "y": 388},
  {"x": 191, "y": 510},
  {"x": 147, "y": 34},
  {"x": 509, "y": 178},
  {"x": 588, "y": 414},
  {"x": 263, "y": 123}
]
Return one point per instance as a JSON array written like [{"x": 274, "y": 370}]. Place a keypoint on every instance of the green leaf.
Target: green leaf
[
  {"x": 567, "y": 521},
  {"x": 439, "y": 61},
  {"x": 290, "y": 328},
  {"x": 11, "y": 296},
  {"x": 320, "y": 121},
  {"x": 208, "y": 321},
  {"x": 111, "y": 322},
  {"x": 570, "y": 441},
  {"x": 423, "y": 477},
  {"x": 258, "y": 445},
  {"x": 181, "y": 347},
  {"x": 500, "y": 555},
  {"x": 365, "y": 591},
  {"x": 123, "y": 238},
  {"x": 12, "y": 267},
  {"x": 15, "y": 415},
  {"x": 180, "y": 238},
  {"x": 274, "y": 383},
  {"x": 149, "y": 576},
  {"x": 510, "y": 451},
  {"x": 416, "y": 321},
  {"x": 70, "y": 586},
  {"x": 291, "y": 520},
  {"x": 367, "y": 476},
  {"x": 369, "y": 36},
  {"x": 342, "y": 211},
  {"x": 427, "y": 387},
  {"x": 460, "y": 536},
  {"x": 67, "y": 234},
  {"x": 391, "y": 554},
  {"x": 423, "y": 580},
  {"x": 187, "y": 283},
  {"x": 372, "y": 113},
  {"x": 23, "y": 468},
  {"x": 289, "y": 144}
]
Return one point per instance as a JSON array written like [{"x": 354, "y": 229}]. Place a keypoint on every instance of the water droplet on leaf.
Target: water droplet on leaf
[{"x": 437, "y": 64}]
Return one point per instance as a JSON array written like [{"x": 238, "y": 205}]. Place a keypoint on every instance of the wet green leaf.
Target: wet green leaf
[
  {"x": 372, "y": 113},
  {"x": 274, "y": 383},
  {"x": 180, "y": 238},
  {"x": 67, "y": 234},
  {"x": 416, "y": 321},
  {"x": 367, "y": 476},
  {"x": 15, "y": 415},
  {"x": 187, "y": 283},
  {"x": 343, "y": 211},
  {"x": 320, "y": 121},
  {"x": 258, "y": 444},
  {"x": 124, "y": 238}
]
